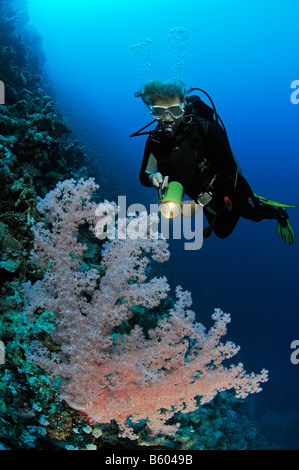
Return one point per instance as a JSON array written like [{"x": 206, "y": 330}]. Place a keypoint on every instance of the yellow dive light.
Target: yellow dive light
[{"x": 171, "y": 200}]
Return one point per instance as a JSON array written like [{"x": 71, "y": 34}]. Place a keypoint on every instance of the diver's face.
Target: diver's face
[{"x": 168, "y": 111}]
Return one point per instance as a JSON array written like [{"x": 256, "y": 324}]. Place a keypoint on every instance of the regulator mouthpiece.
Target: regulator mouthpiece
[
  {"x": 171, "y": 201},
  {"x": 168, "y": 130}
]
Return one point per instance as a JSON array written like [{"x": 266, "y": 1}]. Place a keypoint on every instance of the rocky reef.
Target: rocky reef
[
  {"x": 35, "y": 153},
  {"x": 37, "y": 150}
]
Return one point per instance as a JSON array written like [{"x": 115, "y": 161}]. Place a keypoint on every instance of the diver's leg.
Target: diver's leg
[
  {"x": 245, "y": 204},
  {"x": 222, "y": 224},
  {"x": 250, "y": 208}
]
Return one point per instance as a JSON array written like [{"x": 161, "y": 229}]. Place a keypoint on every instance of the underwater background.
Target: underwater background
[{"x": 245, "y": 55}]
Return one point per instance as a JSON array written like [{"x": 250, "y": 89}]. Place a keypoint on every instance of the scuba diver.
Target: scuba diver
[{"x": 190, "y": 146}]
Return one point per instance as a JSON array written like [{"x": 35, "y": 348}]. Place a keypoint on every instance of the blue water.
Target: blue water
[{"x": 245, "y": 54}]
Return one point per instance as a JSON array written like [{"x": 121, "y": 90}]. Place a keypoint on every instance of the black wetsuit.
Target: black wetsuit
[{"x": 196, "y": 154}]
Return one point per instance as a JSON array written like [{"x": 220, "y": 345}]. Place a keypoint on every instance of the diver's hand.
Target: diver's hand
[{"x": 156, "y": 179}]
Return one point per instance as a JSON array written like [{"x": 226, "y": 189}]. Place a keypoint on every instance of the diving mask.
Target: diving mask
[{"x": 176, "y": 111}]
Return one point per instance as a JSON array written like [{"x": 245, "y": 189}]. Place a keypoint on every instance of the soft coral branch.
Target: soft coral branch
[{"x": 135, "y": 374}]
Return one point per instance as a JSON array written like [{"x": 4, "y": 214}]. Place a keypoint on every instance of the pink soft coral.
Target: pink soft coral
[{"x": 111, "y": 376}]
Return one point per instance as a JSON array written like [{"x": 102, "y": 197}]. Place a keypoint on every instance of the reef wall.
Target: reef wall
[{"x": 36, "y": 151}]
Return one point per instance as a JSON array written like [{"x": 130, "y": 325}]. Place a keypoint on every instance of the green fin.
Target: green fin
[
  {"x": 273, "y": 203},
  {"x": 286, "y": 233}
]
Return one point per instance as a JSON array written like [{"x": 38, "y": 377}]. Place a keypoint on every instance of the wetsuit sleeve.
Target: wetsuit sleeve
[{"x": 148, "y": 165}]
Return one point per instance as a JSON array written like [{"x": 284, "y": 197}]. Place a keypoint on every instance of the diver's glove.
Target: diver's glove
[{"x": 158, "y": 181}]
